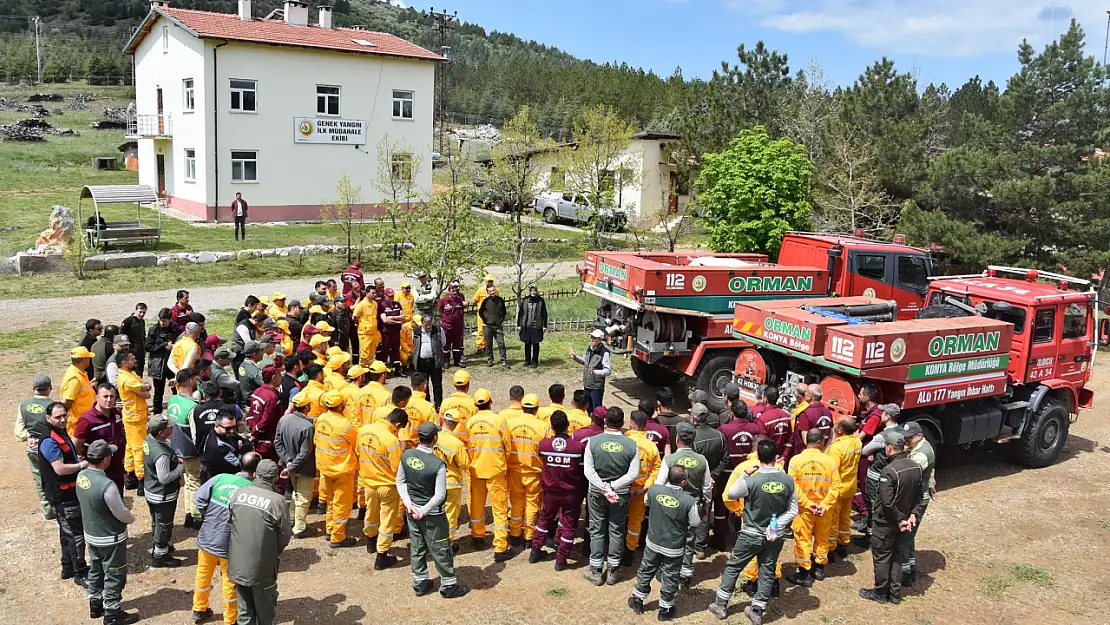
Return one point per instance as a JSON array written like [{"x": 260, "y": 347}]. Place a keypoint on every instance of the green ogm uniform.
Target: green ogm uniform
[
  {"x": 33, "y": 412},
  {"x": 161, "y": 498},
  {"x": 922, "y": 454},
  {"x": 697, "y": 470},
  {"x": 669, "y": 511},
  {"x": 248, "y": 380},
  {"x": 612, "y": 456},
  {"x": 106, "y": 538},
  {"x": 431, "y": 533},
  {"x": 770, "y": 494},
  {"x": 177, "y": 409}
]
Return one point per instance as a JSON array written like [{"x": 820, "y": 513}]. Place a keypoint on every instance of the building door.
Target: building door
[
  {"x": 161, "y": 123},
  {"x": 161, "y": 158},
  {"x": 672, "y": 194}
]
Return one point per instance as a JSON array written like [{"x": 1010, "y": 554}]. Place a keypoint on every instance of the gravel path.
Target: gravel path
[{"x": 28, "y": 313}]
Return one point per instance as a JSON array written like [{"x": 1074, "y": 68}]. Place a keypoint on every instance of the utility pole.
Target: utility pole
[
  {"x": 38, "y": 50},
  {"x": 443, "y": 22},
  {"x": 1107, "y": 44}
]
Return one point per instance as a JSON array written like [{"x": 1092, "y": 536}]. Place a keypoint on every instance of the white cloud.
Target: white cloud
[{"x": 950, "y": 28}]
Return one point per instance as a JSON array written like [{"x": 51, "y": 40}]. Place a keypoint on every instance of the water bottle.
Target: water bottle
[{"x": 774, "y": 527}]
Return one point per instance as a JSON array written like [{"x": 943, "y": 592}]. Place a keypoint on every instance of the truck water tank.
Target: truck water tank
[{"x": 713, "y": 261}]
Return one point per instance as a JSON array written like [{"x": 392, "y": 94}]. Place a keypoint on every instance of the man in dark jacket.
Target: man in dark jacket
[
  {"x": 531, "y": 318},
  {"x": 162, "y": 483},
  {"x": 263, "y": 413},
  {"x": 60, "y": 466},
  {"x": 451, "y": 307},
  {"x": 596, "y": 367},
  {"x": 135, "y": 329},
  {"x": 428, "y": 356},
  {"x": 102, "y": 349},
  {"x": 296, "y": 452},
  {"x": 239, "y": 214},
  {"x": 260, "y": 531},
  {"x": 564, "y": 487},
  {"x": 93, "y": 329},
  {"x": 899, "y": 506},
  {"x": 492, "y": 312},
  {"x": 711, "y": 443},
  {"x": 223, "y": 449},
  {"x": 159, "y": 341}
]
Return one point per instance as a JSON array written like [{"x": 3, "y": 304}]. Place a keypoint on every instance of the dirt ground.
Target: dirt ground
[{"x": 1002, "y": 545}]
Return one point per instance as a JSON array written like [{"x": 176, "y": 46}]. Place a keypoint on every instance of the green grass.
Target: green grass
[
  {"x": 996, "y": 586},
  {"x": 22, "y": 351},
  {"x": 557, "y": 592}
]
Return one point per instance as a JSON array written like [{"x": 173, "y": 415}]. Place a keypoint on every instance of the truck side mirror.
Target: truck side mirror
[{"x": 1104, "y": 332}]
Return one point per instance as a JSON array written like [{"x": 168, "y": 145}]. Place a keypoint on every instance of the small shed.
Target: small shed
[
  {"x": 130, "y": 151},
  {"x": 101, "y": 233}
]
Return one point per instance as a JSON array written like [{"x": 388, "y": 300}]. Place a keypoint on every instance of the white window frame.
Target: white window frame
[
  {"x": 188, "y": 95},
  {"x": 325, "y": 99},
  {"x": 398, "y": 108},
  {"x": 165, "y": 39},
  {"x": 242, "y": 91},
  {"x": 190, "y": 165},
  {"x": 400, "y": 162},
  {"x": 241, "y": 162}
]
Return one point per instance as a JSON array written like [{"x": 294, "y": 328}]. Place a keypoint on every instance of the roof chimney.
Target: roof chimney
[
  {"x": 245, "y": 10},
  {"x": 325, "y": 16},
  {"x": 159, "y": 4},
  {"x": 296, "y": 13}
]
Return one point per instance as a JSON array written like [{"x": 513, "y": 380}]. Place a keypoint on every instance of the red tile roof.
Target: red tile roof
[{"x": 274, "y": 32}]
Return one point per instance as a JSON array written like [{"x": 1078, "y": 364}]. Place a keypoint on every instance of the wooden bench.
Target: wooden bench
[{"x": 122, "y": 232}]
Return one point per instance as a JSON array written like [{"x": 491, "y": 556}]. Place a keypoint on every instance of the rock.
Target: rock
[
  {"x": 40, "y": 263},
  {"x": 165, "y": 260},
  {"x": 129, "y": 260},
  {"x": 244, "y": 254},
  {"x": 9, "y": 265},
  {"x": 267, "y": 253},
  {"x": 94, "y": 263},
  {"x": 205, "y": 257},
  {"x": 283, "y": 253},
  {"x": 60, "y": 232},
  {"x": 182, "y": 257},
  {"x": 223, "y": 257}
]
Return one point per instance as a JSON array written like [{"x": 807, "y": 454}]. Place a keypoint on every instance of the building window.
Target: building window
[
  {"x": 244, "y": 95},
  {"x": 244, "y": 166},
  {"x": 402, "y": 104},
  {"x": 165, "y": 40},
  {"x": 400, "y": 167},
  {"x": 189, "y": 95},
  {"x": 327, "y": 100},
  {"x": 190, "y": 165}
]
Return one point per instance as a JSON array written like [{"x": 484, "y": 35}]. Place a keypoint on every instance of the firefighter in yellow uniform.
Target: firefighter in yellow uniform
[
  {"x": 133, "y": 394},
  {"x": 185, "y": 352},
  {"x": 352, "y": 394},
  {"x": 365, "y": 313},
  {"x": 452, "y": 451},
  {"x": 525, "y": 466},
  {"x": 379, "y": 455},
  {"x": 845, "y": 450},
  {"x": 419, "y": 408},
  {"x": 374, "y": 395},
  {"x": 489, "y": 444},
  {"x": 314, "y": 389},
  {"x": 407, "y": 301},
  {"x": 516, "y": 395},
  {"x": 319, "y": 345},
  {"x": 556, "y": 393},
  {"x": 736, "y": 506},
  {"x": 277, "y": 308},
  {"x": 649, "y": 470},
  {"x": 480, "y": 296},
  {"x": 577, "y": 414},
  {"x": 335, "y": 374},
  {"x": 407, "y": 329},
  {"x": 335, "y": 442},
  {"x": 817, "y": 483},
  {"x": 287, "y": 345},
  {"x": 460, "y": 400},
  {"x": 78, "y": 392}
]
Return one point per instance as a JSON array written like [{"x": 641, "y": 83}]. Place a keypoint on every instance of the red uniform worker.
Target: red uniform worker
[
  {"x": 564, "y": 487},
  {"x": 451, "y": 307}
]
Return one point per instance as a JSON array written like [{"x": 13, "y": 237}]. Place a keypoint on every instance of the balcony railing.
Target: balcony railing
[{"x": 149, "y": 126}]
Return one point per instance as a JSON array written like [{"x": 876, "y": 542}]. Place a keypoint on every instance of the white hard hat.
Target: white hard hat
[{"x": 598, "y": 333}]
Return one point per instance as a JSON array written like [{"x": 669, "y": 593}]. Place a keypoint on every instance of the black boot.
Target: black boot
[
  {"x": 423, "y": 588},
  {"x": 140, "y": 492},
  {"x": 818, "y": 572},
  {"x": 842, "y": 551},
  {"x": 200, "y": 617},
  {"x": 454, "y": 592},
  {"x": 165, "y": 561},
  {"x": 96, "y": 608},
  {"x": 119, "y": 617},
  {"x": 775, "y": 588},
  {"x": 131, "y": 482},
  {"x": 516, "y": 542},
  {"x": 667, "y": 614},
  {"x": 537, "y": 555},
  {"x": 636, "y": 603},
  {"x": 801, "y": 578},
  {"x": 908, "y": 578},
  {"x": 627, "y": 557},
  {"x": 754, "y": 614},
  {"x": 384, "y": 561}
]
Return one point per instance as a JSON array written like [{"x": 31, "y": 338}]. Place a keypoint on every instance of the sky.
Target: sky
[{"x": 939, "y": 40}]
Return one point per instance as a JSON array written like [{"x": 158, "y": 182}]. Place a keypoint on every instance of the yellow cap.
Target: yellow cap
[
  {"x": 462, "y": 378},
  {"x": 338, "y": 360},
  {"x": 80, "y": 352},
  {"x": 419, "y": 319},
  {"x": 335, "y": 349},
  {"x": 482, "y": 396},
  {"x": 265, "y": 300},
  {"x": 301, "y": 399},
  {"x": 452, "y": 414},
  {"x": 406, "y": 284},
  {"x": 356, "y": 371},
  {"x": 316, "y": 310},
  {"x": 489, "y": 277},
  {"x": 324, "y": 326},
  {"x": 332, "y": 399},
  {"x": 283, "y": 323},
  {"x": 317, "y": 340},
  {"x": 531, "y": 400},
  {"x": 378, "y": 367},
  {"x": 278, "y": 295}
]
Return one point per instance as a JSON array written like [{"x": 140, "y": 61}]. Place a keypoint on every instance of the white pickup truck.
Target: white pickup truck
[{"x": 577, "y": 208}]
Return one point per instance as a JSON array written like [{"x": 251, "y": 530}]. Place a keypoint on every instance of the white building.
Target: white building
[{"x": 274, "y": 108}]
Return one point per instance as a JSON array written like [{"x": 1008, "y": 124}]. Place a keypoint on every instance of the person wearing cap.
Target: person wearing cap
[
  {"x": 31, "y": 428},
  {"x": 335, "y": 442},
  {"x": 897, "y": 510},
  {"x": 451, "y": 308},
  {"x": 296, "y": 323},
  {"x": 817, "y": 482},
  {"x": 482, "y": 293},
  {"x": 314, "y": 390},
  {"x": 133, "y": 395},
  {"x": 103, "y": 421},
  {"x": 352, "y": 278},
  {"x": 57, "y": 456},
  {"x": 531, "y": 320},
  {"x": 319, "y": 349},
  {"x": 226, "y": 383},
  {"x": 264, "y": 412},
  {"x": 407, "y": 329},
  {"x": 250, "y": 371},
  {"x": 296, "y": 453},
  {"x": 699, "y": 484},
  {"x": 260, "y": 531},
  {"x": 185, "y": 351},
  {"x": 407, "y": 300},
  {"x": 424, "y": 296},
  {"x": 596, "y": 367},
  {"x": 102, "y": 349},
  {"x": 335, "y": 373},
  {"x": 577, "y": 416},
  {"x": 564, "y": 488},
  {"x": 710, "y": 443},
  {"x": 845, "y": 450},
  {"x": 392, "y": 316},
  {"x": 202, "y": 418},
  {"x": 770, "y": 506},
  {"x": 214, "y": 499},
  {"x": 516, "y": 395},
  {"x": 352, "y": 393},
  {"x": 421, "y": 482},
  {"x": 673, "y": 513},
  {"x": 162, "y": 482},
  {"x": 270, "y": 350},
  {"x": 77, "y": 391},
  {"x": 489, "y": 442},
  {"x": 246, "y": 331},
  {"x": 277, "y": 309},
  {"x": 596, "y": 426},
  {"x": 921, "y": 452},
  {"x": 874, "y": 451},
  {"x": 104, "y": 519},
  {"x": 525, "y": 493},
  {"x": 611, "y": 464},
  {"x": 212, "y": 342},
  {"x": 460, "y": 400},
  {"x": 429, "y": 355},
  {"x": 491, "y": 317},
  {"x": 379, "y": 455},
  {"x": 365, "y": 313},
  {"x": 452, "y": 450},
  {"x": 650, "y": 461},
  {"x": 121, "y": 343}
]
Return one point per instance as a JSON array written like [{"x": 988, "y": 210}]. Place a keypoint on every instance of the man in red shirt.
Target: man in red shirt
[
  {"x": 352, "y": 277},
  {"x": 103, "y": 422},
  {"x": 655, "y": 432},
  {"x": 451, "y": 307},
  {"x": 776, "y": 422},
  {"x": 870, "y": 422},
  {"x": 181, "y": 312},
  {"x": 564, "y": 486},
  {"x": 815, "y": 416},
  {"x": 392, "y": 317},
  {"x": 264, "y": 412},
  {"x": 740, "y": 435},
  {"x": 596, "y": 426}
]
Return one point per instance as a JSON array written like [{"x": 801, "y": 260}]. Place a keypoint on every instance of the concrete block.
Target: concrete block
[
  {"x": 267, "y": 253},
  {"x": 283, "y": 253},
  {"x": 129, "y": 260},
  {"x": 165, "y": 260},
  {"x": 94, "y": 263},
  {"x": 223, "y": 257},
  {"x": 40, "y": 263}
]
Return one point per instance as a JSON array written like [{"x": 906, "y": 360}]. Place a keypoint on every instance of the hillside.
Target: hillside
[{"x": 494, "y": 74}]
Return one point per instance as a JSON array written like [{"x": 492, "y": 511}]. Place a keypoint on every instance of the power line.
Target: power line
[{"x": 444, "y": 21}]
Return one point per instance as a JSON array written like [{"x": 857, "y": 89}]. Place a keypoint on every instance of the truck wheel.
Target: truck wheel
[
  {"x": 549, "y": 216},
  {"x": 654, "y": 374},
  {"x": 712, "y": 374},
  {"x": 1042, "y": 442}
]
